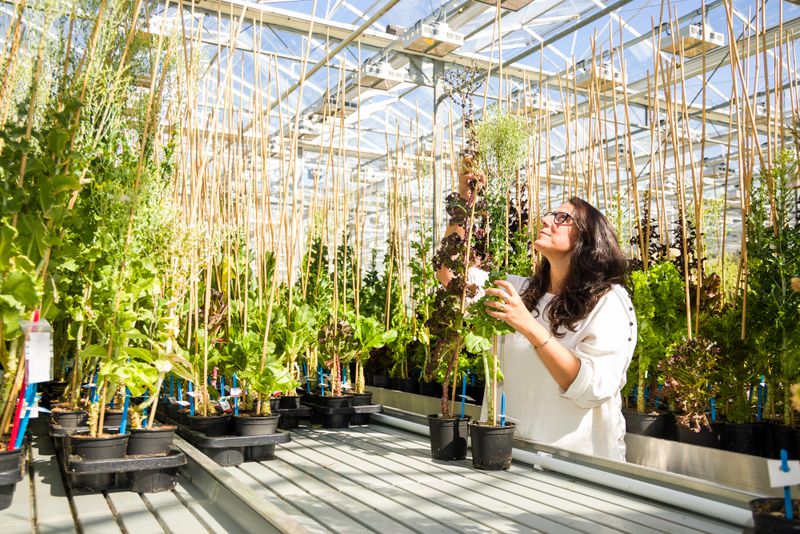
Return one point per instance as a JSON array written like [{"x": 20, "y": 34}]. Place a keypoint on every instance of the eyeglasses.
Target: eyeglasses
[{"x": 559, "y": 217}]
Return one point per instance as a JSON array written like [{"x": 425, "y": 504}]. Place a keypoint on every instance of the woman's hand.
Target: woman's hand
[
  {"x": 510, "y": 309},
  {"x": 469, "y": 182}
]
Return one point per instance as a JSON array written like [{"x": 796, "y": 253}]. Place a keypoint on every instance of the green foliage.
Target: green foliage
[
  {"x": 293, "y": 334},
  {"x": 504, "y": 141},
  {"x": 689, "y": 368},
  {"x": 658, "y": 299},
  {"x": 520, "y": 253},
  {"x": 371, "y": 298},
  {"x": 736, "y": 368},
  {"x": 369, "y": 333},
  {"x": 773, "y": 258}
]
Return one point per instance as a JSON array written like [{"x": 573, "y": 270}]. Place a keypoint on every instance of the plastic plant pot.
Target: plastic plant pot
[
  {"x": 491, "y": 445},
  {"x": 448, "y": 437}
]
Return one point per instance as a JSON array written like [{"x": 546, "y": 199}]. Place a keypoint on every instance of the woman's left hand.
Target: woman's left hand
[{"x": 510, "y": 309}]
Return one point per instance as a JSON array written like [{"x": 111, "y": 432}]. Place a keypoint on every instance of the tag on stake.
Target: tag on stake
[
  {"x": 778, "y": 477},
  {"x": 39, "y": 357}
]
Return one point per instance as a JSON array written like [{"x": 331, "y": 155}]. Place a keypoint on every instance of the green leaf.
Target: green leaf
[
  {"x": 477, "y": 344},
  {"x": 22, "y": 287}
]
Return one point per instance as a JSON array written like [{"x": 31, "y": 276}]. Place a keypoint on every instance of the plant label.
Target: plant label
[
  {"x": 193, "y": 394},
  {"x": 172, "y": 400},
  {"x": 182, "y": 403},
  {"x": 39, "y": 357},
  {"x": 225, "y": 405},
  {"x": 235, "y": 392},
  {"x": 778, "y": 477}
]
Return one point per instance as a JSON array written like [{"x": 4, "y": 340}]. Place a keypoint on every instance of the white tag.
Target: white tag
[
  {"x": 39, "y": 357},
  {"x": 236, "y": 392},
  {"x": 225, "y": 405},
  {"x": 182, "y": 403},
  {"x": 778, "y": 477},
  {"x": 172, "y": 400},
  {"x": 193, "y": 394}
]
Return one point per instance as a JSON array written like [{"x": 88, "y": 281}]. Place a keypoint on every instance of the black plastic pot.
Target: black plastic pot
[
  {"x": 332, "y": 420},
  {"x": 211, "y": 426},
  {"x": 783, "y": 437},
  {"x": 747, "y": 438},
  {"x": 360, "y": 399},
  {"x": 380, "y": 381},
  {"x": 330, "y": 401},
  {"x": 99, "y": 448},
  {"x": 274, "y": 403},
  {"x": 151, "y": 441},
  {"x": 289, "y": 402},
  {"x": 769, "y": 515},
  {"x": 448, "y": 437},
  {"x": 153, "y": 480},
  {"x": 644, "y": 424},
  {"x": 71, "y": 420},
  {"x": 113, "y": 418},
  {"x": 10, "y": 474},
  {"x": 704, "y": 438},
  {"x": 491, "y": 445},
  {"x": 259, "y": 453},
  {"x": 408, "y": 385},
  {"x": 182, "y": 417},
  {"x": 430, "y": 389},
  {"x": 51, "y": 392},
  {"x": 255, "y": 425}
]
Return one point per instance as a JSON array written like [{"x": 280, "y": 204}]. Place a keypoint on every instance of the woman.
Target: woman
[{"x": 566, "y": 363}]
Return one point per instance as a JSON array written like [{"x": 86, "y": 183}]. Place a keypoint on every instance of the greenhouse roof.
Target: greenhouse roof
[
  {"x": 539, "y": 44},
  {"x": 339, "y": 86}
]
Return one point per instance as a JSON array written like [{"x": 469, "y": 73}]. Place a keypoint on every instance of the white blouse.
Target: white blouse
[{"x": 587, "y": 417}]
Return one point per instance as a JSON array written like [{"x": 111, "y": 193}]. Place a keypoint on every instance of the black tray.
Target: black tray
[
  {"x": 77, "y": 465},
  {"x": 346, "y": 410},
  {"x": 343, "y": 416},
  {"x": 140, "y": 473},
  {"x": 229, "y": 451},
  {"x": 201, "y": 440},
  {"x": 303, "y": 412}
]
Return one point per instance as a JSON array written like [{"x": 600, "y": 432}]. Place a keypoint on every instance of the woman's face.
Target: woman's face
[{"x": 559, "y": 232}]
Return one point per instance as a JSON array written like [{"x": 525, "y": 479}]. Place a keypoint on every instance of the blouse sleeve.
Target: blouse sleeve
[{"x": 605, "y": 351}]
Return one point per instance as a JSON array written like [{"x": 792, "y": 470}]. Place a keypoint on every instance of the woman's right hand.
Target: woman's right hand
[{"x": 470, "y": 181}]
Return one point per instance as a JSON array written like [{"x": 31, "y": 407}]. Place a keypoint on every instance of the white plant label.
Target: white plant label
[
  {"x": 173, "y": 400},
  {"x": 39, "y": 357},
  {"x": 779, "y": 477},
  {"x": 235, "y": 392},
  {"x": 34, "y": 410},
  {"x": 182, "y": 403},
  {"x": 225, "y": 405},
  {"x": 193, "y": 394}
]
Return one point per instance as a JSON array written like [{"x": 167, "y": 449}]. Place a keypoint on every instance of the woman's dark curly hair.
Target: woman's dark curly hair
[{"x": 596, "y": 263}]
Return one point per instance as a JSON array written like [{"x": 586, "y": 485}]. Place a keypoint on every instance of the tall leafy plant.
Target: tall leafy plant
[
  {"x": 658, "y": 297},
  {"x": 773, "y": 258}
]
